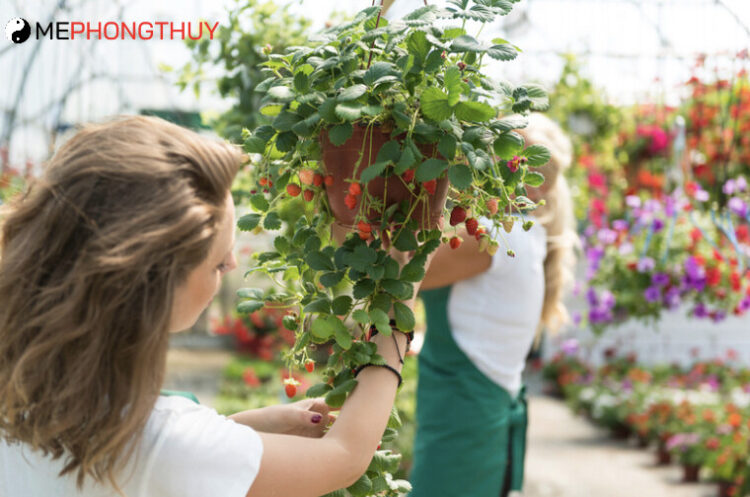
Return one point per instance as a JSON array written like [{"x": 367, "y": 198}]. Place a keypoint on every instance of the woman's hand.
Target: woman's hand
[{"x": 305, "y": 418}]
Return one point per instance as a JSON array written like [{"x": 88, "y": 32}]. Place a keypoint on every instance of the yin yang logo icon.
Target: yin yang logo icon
[{"x": 18, "y": 30}]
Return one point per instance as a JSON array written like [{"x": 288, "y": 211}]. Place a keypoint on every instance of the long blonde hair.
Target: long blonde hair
[
  {"x": 90, "y": 257},
  {"x": 556, "y": 216}
]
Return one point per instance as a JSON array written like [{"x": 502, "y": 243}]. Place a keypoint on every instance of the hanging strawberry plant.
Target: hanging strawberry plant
[{"x": 383, "y": 128}]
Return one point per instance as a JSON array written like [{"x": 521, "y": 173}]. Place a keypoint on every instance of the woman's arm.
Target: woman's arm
[
  {"x": 309, "y": 467},
  {"x": 452, "y": 265}
]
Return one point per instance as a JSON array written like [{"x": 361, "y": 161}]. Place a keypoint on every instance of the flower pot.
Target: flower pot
[
  {"x": 663, "y": 457},
  {"x": 621, "y": 431},
  {"x": 690, "y": 473},
  {"x": 340, "y": 161},
  {"x": 727, "y": 489},
  {"x": 643, "y": 441}
]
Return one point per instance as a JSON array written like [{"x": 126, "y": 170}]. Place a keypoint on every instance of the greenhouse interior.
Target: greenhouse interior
[{"x": 312, "y": 248}]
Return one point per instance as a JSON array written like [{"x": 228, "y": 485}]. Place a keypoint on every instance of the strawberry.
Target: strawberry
[
  {"x": 461, "y": 65},
  {"x": 310, "y": 366},
  {"x": 430, "y": 186},
  {"x": 471, "y": 226},
  {"x": 408, "y": 175},
  {"x": 458, "y": 215},
  {"x": 263, "y": 181},
  {"x": 363, "y": 226},
  {"x": 455, "y": 242},
  {"x": 480, "y": 231},
  {"x": 510, "y": 253},
  {"x": 350, "y": 201},
  {"x": 355, "y": 189},
  {"x": 317, "y": 179},
  {"x": 492, "y": 249},
  {"x": 293, "y": 189},
  {"x": 492, "y": 206},
  {"x": 328, "y": 180},
  {"x": 291, "y": 390},
  {"x": 308, "y": 194},
  {"x": 306, "y": 177},
  {"x": 364, "y": 235}
]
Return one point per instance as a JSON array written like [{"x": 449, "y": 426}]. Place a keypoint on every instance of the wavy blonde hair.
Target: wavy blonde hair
[
  {"x": 90, "y": 257},
  {"x": 556, "y": 216}
]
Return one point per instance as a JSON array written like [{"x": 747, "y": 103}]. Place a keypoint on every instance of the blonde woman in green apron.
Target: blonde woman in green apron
[{"x": 483, "y": 313}]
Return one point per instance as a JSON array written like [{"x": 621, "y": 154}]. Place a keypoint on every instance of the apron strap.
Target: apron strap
[{"x": 177, "y": 393}]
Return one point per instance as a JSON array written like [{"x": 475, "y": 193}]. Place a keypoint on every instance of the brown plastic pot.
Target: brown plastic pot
[
  {"x": 340, "y": 161},
  {"x": 663, "y": 457},
  {"x": 621, "y": 431},
  {"x": 727, "y": 489},
  {"x": 690, "y": 473}
]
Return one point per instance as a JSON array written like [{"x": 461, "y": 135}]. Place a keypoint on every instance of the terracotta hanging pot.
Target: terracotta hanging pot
[
  {"x": 690, "y": 473},
  {"x": 340, "y": 161}
]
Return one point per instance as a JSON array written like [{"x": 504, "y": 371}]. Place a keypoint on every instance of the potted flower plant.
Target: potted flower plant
[{"x": 382, "y": 127}]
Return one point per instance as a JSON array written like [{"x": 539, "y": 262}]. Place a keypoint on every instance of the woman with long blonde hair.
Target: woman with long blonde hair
[
  {"x": 122, "y": 241},
  {"x": 483, "y": 313}
]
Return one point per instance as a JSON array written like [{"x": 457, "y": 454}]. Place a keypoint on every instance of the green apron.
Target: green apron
[
  {"x": 176, "y": 393},
  {"x": 471, "y": 435}
]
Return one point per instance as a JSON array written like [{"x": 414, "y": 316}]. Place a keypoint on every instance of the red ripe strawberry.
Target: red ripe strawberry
[
  {"x": 263, "y": 181},
  {"x": 458, "y": 215},
  {"x": 293, "y": 189},
  {"x": 455, "y": 242},
  {"x": 461, "y": 65},
  {"x": 364, "y": 235},
  {"x": 270, "y": 183},
  {"x": 317, "y": 179},
  {"x": 355, "y": 189},
  {"x": 480, "y": 231},
  {"x": 328, "y": 180},
  {"x": 471, "y": 226},
  {"x": 363, "y": 226},
  {"x": 306, "y": 177},
  {"x": 308, "y": 194},
  {"x": 492, "y": 206},
  {"x": 430, "y": 186},
  {"x": 350, "y": 201},
  {"x": 408, "y": 175},
  {"x": 291, "y": 390},
  {"x": 310, "y": 366}
]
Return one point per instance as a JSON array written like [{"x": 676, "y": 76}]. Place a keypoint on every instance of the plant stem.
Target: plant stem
[{"x": 377, "y": 23}]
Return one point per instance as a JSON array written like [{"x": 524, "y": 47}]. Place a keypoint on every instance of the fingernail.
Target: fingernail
[{"x": 316, "y": 419}]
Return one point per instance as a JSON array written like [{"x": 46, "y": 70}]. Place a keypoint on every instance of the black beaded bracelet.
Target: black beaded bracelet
[{"x": 386, "y": 366}]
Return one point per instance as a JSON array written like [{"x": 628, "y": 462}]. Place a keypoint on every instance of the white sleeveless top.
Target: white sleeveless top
[
  {"x": 494, "y": 315},
  {"x": 188, "y": 450}
]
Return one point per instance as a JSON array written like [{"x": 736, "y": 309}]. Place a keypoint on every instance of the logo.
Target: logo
[{"x": 18, "y": 30}]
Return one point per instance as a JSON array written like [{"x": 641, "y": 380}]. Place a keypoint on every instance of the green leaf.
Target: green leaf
[
  {"x": 453, "y": 84},
  {"x": 325, "y": 327},
  {"x": 361, "y": 316},
  {"x": 349, "y": 111},
  {"x": 389, "y": 152},
  {"x": 341, "y": 305},
  {"x": 474, "y": 111},
  {"x": 318, "y": 390},
  {"x": 337, "y": 396},
  {"x": 251, "y": 293},
  {"x": 381, "y": 301},
  {"x": 502, "y": 52},
  {"x": 362, "y": 257},
  {"x": 301, "y": 82},
  {"x": 378, "y": 71},
  {"x": 363, "y": 288},
  {"x": 434, "y": 104},
  {"x": 508, "y": 144},
  {"x": 340, "y": 134},
  {"x": 372, "y": 171},
  {"x": 434, "y": 60},
  {"x": 285, "y": 120},
  {"x": 331, "y": 278},
  {"x": 404, "y": 317},
  {"x": 361, "y": 487},
  {"x": 327, "y": 111},
  {"x": 460, "y": 176},
  {"x": 250, "y": 306},
  {"x": 378, "y": 317},
  {"x": 318, "y": 261},
  {"x": 321, "y": 305},
  {"x": 430, "y": 169},
  {"x": 343, "y": 338},
  {"x": 281, "y": 93},
  {"x": 405, "y": 241},
  {"x": 533, "y": 178},
  {"x": 248, "y": 222},
  {"x": 286, "y": 141},
  {"x": 254, "y": 145},
  {"x": 538, "y": 155},
  {"x": 272, "y": 221},
  {"x": 352, "y": 93},
  {"x": 399, "y": 289},
  {"x": 510, "y": 122},
  {"x": 418, "y": 45},
  {"x": 538, "y": 96},
  {"x": 259, "y": 202},
  {"x": 447, "y": 146},
  {"x": 271, "y": 110},
  {"x": 466, "y": 43},
  {"x": 406, "y": 160}
]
